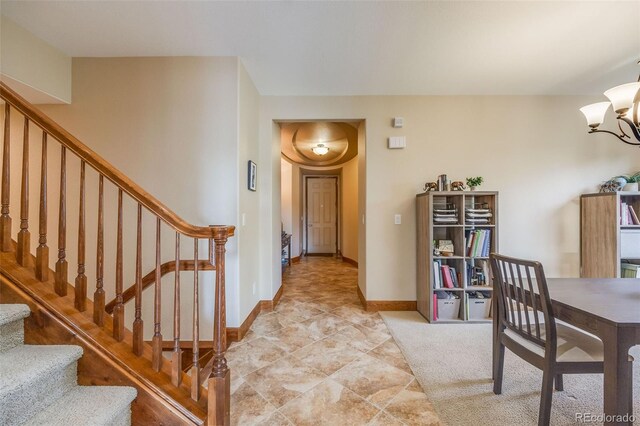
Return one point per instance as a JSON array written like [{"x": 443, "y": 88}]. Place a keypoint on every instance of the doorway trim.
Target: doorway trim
[{"x": 306, "y": 213}]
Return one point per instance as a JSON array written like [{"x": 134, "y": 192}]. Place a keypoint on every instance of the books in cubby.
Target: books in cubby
[
  {"x": 478, "y": 273},
  {"x": 446, "y": 276},
  {"x": 628, "y": 215},
  {"x": 478, "y": 242}
]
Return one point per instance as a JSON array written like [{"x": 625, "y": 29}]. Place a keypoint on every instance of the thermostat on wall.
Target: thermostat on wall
[
  {"x": 398, "y": 122},
  {"x": 397, "y": 142}
]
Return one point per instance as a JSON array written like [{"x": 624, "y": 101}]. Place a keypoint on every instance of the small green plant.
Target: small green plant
[
  {"x": 634, "y": 178},
  {"x": 472, "y": 182}
]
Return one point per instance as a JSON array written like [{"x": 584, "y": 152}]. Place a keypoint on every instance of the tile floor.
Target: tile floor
[{"x": 320, "y": 359}]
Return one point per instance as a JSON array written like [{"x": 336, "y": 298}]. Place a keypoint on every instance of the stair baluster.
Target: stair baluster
[
  {"x": 23, "y": 252},
  {"x": 61, "y": 264},
  {"x": 176, "y": 356},
  {"x": 42, "y": 252},
  {"x": 98, "y": 295},
  {"x": 5, "y": 219},
  {"x": 138, "y": 325},
  {"x": 157, "y": 300},
  {"x": 80, "y": 300},
  {"x": 195, "y": 369},
  {"x": 118, "y": 310}
]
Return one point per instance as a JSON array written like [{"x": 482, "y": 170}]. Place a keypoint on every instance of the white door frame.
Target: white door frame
[{"x": 306, "y": 207}]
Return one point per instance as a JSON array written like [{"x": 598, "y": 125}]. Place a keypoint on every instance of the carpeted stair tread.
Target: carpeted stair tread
[
  {"x": 29, "y": 363},
  {"x": 88, "y": 405},
  {"x": 11, "y": 313}
]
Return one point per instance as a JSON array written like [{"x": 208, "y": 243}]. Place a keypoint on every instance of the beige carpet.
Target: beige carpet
[{"x": 453, "y": 365}]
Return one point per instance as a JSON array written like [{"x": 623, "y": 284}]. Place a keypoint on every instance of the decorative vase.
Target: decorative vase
[
  {"x": 631, "y": 186},
  {"x": 472, "y": 188}
]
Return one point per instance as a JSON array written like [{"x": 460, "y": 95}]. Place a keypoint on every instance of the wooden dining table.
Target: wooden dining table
[{"x": 610, "y": 309}]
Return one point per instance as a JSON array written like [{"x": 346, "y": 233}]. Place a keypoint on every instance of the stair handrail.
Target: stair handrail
[
  {"x": 109, "y": 171},
  {"x": 216, "y": 372}
]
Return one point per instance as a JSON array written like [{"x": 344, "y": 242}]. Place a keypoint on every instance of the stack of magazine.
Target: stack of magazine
[
  {"x": 478, "y": 214},
  {"x": 445, "y": 214}
]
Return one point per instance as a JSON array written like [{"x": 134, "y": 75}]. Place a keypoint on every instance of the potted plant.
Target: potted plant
[
  {"x": 629, "y": 183},
  {"x": 473, "y": 182}
]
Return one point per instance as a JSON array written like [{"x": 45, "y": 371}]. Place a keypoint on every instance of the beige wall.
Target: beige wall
[
  {"x": 249, "y": 201},
  {"x": 36, "y": 69},
  {"x": 286, "y": 195},
  {"x": 362, "y": 198},
  {"x": 534, "y": 150},
  {"x": 349, "y": 207},
  {"x": 183, "y": 129}
]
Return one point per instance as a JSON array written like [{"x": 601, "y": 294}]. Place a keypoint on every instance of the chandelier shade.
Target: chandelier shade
[
  {"x": 622, "y": 97},
  {"x": 595, "y": 113},
  {"x": 625, "y": 100}
]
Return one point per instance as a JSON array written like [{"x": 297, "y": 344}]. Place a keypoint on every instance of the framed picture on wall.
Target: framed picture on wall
[{"x": 252, "y": 176}]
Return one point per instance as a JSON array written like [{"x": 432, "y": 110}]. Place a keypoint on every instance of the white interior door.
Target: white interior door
[{"x": 322, "y": 215}]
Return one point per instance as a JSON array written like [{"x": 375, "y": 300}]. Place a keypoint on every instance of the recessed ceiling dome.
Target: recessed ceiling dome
[{"x": 321, "y": 143}]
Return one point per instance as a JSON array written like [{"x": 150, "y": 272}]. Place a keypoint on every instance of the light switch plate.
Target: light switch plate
[
  {"x": 397, "y": 142},
  {"x": 397, "y": 219}
]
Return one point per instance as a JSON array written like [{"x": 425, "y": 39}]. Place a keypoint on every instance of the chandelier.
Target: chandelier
[
  {"x": 320, "y": 149},
  {"x": 624, "y": 99}
]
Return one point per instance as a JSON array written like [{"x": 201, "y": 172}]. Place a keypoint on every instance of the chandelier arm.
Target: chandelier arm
[
  {"x": 622, "y": 132},
  {"x": 616, "y": 135},
  {"x": 633, "y": 127}
]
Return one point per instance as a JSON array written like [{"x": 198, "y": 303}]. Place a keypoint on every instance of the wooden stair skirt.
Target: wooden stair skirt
[{"x": 63, "y": 313}]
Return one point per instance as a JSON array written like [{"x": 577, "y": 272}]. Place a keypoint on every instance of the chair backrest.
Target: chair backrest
[{"x": 519, "y": 285}]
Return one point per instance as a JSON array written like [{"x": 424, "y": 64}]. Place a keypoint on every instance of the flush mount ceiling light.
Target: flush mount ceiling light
[
  {"x": 625, "y": 100},
  {"x": 320, "y": 149}
]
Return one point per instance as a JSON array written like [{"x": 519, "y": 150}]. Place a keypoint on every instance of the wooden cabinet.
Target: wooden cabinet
[
  {"x": 604, "y": 241},
  {"x": 465, "y": 263}
]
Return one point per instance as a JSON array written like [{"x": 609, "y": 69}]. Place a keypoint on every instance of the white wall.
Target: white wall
[
  {"x": 181, "y": 128},
  {"x": 34, "y": 68},
  {"x": 534, "y": 150}
]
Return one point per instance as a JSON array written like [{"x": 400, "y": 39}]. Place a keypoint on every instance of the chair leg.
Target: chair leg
[
  {"x": 559, "y": 383},
  {"x": 546, "y": 395},
  {"x": 498, "y": 367}
]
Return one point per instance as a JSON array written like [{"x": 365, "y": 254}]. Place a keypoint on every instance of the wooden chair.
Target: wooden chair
[{"x": 527, "y": 327}]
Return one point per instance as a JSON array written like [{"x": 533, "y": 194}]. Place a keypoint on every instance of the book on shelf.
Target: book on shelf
[
  {"x": 628, "y": 215},
  {"x": 437, "y": 274},
  {"x": 634, "y": 216},
  {"x": 446, "y": 276}
]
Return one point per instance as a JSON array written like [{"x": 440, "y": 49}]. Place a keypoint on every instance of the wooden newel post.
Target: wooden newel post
[{"x": 219, "y": 380}]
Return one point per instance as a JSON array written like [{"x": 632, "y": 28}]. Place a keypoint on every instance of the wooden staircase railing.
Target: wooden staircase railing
[{"x": 216, "y": 370}]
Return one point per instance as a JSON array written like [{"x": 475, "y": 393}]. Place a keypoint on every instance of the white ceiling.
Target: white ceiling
[{"x": 365, "y": 48}]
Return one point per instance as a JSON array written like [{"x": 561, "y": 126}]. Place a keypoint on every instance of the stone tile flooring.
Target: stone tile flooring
[{"x": 320, "y": 359}]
